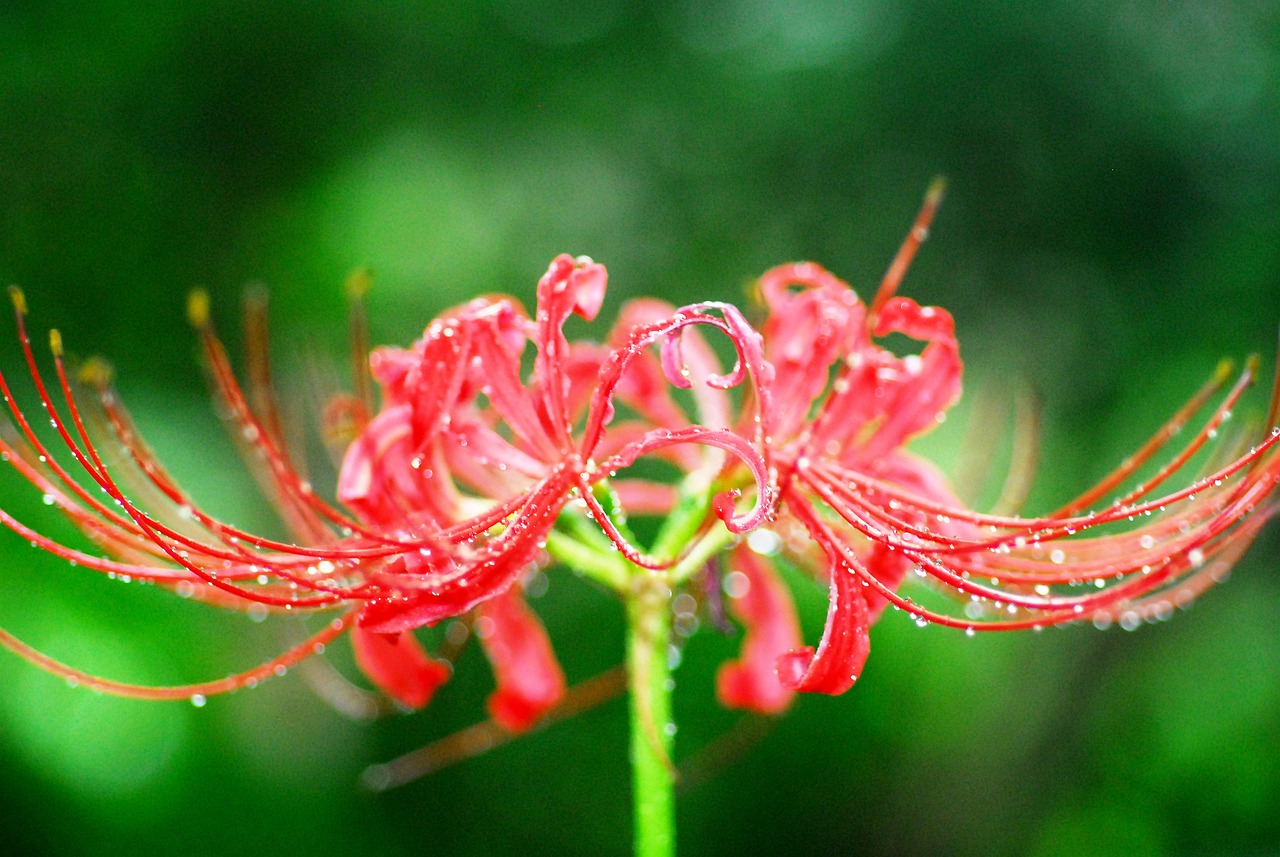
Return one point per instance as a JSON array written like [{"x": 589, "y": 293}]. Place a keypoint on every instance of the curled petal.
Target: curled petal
[
  {"x": 879, "y": 400},
  {"x": 764, "y": 608},
  {"x": 569, "y": 286},
  {"x": 668, "y": 332},
  {"x": 399, "y": 666},
  {"x": 806, "y": 334},
  {"x": 775, "y": 284},
  {"x": 727, "y": 440},
  {"x": 836, "y": 664},
  {"x": 921, "y": 387},
  {"x": 530, "y": 681},
  {"x": 384, "y": 478}
]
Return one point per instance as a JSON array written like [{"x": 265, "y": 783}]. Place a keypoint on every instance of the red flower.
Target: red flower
[
  {"x": 454, "y": 485},
  {"x": 863, "y": 513}
]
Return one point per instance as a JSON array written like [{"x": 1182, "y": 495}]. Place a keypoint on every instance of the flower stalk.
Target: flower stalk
[{"x": 650, "y": 684}]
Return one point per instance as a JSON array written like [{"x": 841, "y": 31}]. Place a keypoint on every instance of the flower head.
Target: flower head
[
  {"x": 449, "y": 491},
  {"x": 862, "y": 513}
]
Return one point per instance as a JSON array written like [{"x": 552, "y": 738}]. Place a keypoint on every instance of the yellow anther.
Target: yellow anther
[
  {"x": 937, "y": 187},
  {"x": 198, "y": 308},
  {"x": 1225, "y": 367},
  {"x": 359, "y": 282},
  {"x": 19, "y": 299},
  {"x": 96, "y": 372},
  {"x": 55, "y": 342}
]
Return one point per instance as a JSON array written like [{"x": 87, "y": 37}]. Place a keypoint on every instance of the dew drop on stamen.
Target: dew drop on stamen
[
  {"x": 1057, "y": 556},
  {"x": 198, "y": 700}
]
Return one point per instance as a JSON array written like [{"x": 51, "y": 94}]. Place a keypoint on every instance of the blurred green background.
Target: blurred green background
[{"x": 1112, "y": 230}]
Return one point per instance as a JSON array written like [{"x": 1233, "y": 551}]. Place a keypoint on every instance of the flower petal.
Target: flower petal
[
  {"x": 806, "y": 334},
  {"x": 399, "y": 666},
  {"x": 764, "y": 608},
  {"x": 845, "y": 644},
  {"x": 530, "y": 680}
]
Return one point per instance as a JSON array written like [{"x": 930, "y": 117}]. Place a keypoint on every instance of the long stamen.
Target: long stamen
[
  {"x": 907, "y": 252},
  {"x": 358, "y": 284},
  {"x": 1166, "y": 433},
  {"x": 195, "y": 692}
]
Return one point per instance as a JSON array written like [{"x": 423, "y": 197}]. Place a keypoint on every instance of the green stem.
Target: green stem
[{"x": 650, "y": 684}]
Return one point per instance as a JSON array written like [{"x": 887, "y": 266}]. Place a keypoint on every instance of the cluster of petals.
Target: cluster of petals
[
  {"x": 449, "y": 491},
  {"x": 862, "y": 513}
]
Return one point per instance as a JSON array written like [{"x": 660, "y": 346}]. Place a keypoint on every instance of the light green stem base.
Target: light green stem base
[{"x": 650, "y": 683}]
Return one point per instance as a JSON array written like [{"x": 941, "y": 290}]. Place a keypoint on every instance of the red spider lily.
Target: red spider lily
[
  {"x": 451, "y": 489},
  {"x": 863, "y": 513}
]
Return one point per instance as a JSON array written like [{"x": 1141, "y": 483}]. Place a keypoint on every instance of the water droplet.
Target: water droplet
[
  {"x": 764, "y": 542},
  {"x": 198, "y": 700}
]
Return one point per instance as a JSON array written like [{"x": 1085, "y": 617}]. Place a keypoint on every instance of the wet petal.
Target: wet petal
[
  {"x": 838, "y": 661},
  {"x": 763, "y": 606},
  {"x": 399, "y": 666},
  {"x": 807, "y": 332},
  {"x": 530, "y": 681}
]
